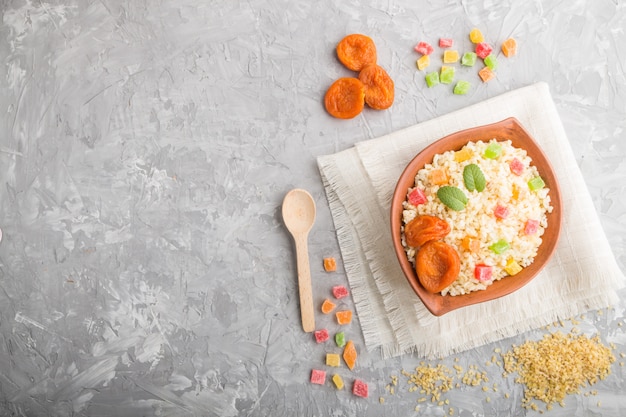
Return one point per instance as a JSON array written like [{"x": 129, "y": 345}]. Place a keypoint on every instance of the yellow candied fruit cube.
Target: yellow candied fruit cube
[
  {"x": 333, "y": 359},
  {"x": 476, "y": 36},
  {"x": 423, "y": 62},
  {"x": 512, "y": 267},
  {"x": 450, "y": 57},
  {"x": 463, "y": 155},
  {"x": 338, "y": 381}
]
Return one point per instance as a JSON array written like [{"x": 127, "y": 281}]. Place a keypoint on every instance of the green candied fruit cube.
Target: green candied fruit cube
[
  {"x": 536, "y": 184},
  {"x": 462, "y": 87},
  {"x": 499, "y": 247},
  {"x": 432, "y": 79},
  {"x": 491, "y": 62},
  {"x": 468, "y": 59},
  {"x": 493, "y": 151},
  {"x": 340, "y": 339},
  {"x": 447, "y": 75}
]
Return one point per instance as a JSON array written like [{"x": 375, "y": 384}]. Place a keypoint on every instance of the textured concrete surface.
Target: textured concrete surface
[{"x": 146, "y": 146}]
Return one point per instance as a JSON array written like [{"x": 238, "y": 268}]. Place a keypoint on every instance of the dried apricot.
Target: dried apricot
[
  {"x": 425, "y": 228},
  {"x": 345, "y": 98},
  {"x": 379, "y": 89},
  {"x": 437, "y": 265},
  {"x": 356, "y": 51}
]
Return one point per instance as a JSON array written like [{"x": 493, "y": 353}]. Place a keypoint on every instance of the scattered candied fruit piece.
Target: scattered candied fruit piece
[
  {"x": 423, "y": 62},
  {"x": 340, "y": 339},
  {"x": 509, "y": 47},
  {"x": 463, "y": 155},
  {"x": 483, "y": 49},
  {"x": 349, "y": 354},
  {"x": 356, "y": 51},
  {"x": 321, "y": 335},
  {"x": 468, "y": 59},
  {"x": 417, "y": 196},
  {"x": 531, "y": 227},
  {"x": 491, "y": 62},
  {"x": 516, "y": 166},
  {"x": 450, "y": 56},
  {"x": 424, "y": 48},
  {"x": 327, "y": 306},
  {"x": 483, "y": 272},
  {"x": 333, "y": 359},
  {"x": 476, "y": 36},
  {"x": 445, "y": 42},
  {"x": 470, "y": 244},
  {"x": 425, "y": 228},
  {"x": 318, "y": 376},
  {"x": 339, "y": 291},
  {"x": 536, "y": 184},
  {"x": 432, "y": 79},
  {"x": 345, "y": 98},
  {"x": 360, "y": 388},
  {"x": 379, "y": 87},
  {"x": 512, "y": 267},
  {"x": 344, "y": 316},
  {"x": 437, "y": 265},
  {"x": 462, "y": 87},
  {"x": 486, "y": 74},
  {"x": 439, "y": 176},
  {"x": 447, "y": 74},
  {"x": 501, "y": 212},
  {"x": 338, "y": 381},
  {"x": 330, "y": 264},
  {"x": 499, "y": 247},
  {"x": 493, "y": 151}
]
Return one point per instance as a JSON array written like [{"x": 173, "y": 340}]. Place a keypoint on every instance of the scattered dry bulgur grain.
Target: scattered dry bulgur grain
[{"x": 381, "y": 400}]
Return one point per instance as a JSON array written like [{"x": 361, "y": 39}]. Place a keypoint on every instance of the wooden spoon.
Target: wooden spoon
[{"x": 299, "y": 216}]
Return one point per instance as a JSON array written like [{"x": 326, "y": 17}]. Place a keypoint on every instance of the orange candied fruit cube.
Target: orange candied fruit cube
[
  {"x": 349, "y": 354},
  {"x": 344, "y": 316},
  {"x": 327, "y": 306},
  {"x": 470, "y": 244},
  {"x": 439, "y": 176},
  {"x": 486, "y": 74},
  {"x": 509, "y": 47},
  {"x": 330, "y": 264}
]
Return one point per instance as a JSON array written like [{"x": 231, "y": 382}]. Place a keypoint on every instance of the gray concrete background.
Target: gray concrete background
[{"x": 146, "y": 146}]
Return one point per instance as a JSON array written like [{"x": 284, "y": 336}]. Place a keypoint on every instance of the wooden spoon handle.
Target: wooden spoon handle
[{"x": 304, "y": 283}]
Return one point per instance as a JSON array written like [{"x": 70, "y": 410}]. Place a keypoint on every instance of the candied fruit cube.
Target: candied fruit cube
[
  {"x": 349, "y": 354},
  {"x": 483, "y": 272},
  {"x": 330, "y": 264},
  {"x": 432, "y": 79},
  {"x": 536, "y": 184},
  {"x": 447, "y": 74},
  {"x": 462, "y": 87},
  {"x": 424, "y": 48},
  {"x": 340, "y": 339},
  {"x": 470, "y": 244},
  {"x": 445, "y": 42},
  {"x": 509, "y": 47},
  {"x": 531, "y": 227},
  {"x": 344, "y": 316},
  {"x": 360, "y": 388},
  {"x": 339, "y": 291},
  {"x": 501, "y": 212},
  {"x": 333, "y": 359},
  {"x": 516, "y": 166},
  {"x": 486, "y": 74},
  {"x": 483, "y": 49},
  {"x": 318, "y": 376},
  {"x": 450, "y": 57},
  {"x": 476, "y": 36},
  {"x": 463, "y": 155},
  {"x": 499, "y": 247},
  {"x": 438, "y": 176},
  {"x": 512, "y": 267},
  {"x": 327, "y": 306},
  {"x": 338, "y": 381},
  {"x": 468, "y": 59},
  {"x": 417, "y": 197},
  {"x": 491, "y": 62},
  {"x": 321, "y": 335},
  {"x": 493, "y": 151},
  {"x": 423, "y": 62}
]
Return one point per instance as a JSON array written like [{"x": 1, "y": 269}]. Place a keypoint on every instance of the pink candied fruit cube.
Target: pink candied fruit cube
[
  {"x": 516, "y": 166},
  {"x": 483, "y": 272},
  {"x": 483, "y": 49},
  {"x": 531, "y": 227},
  {"x": 360, "y": 388},
  {"x": 318, "y": 377},
  {"x": 445, "y": 42},
  {"x": 417, "y": 197},
  {"x": 339, "y": 291},
  {"x": 321, "y": 335},
  {"x": 424, "y": 48},
  {"x": 501, "y": 212}
]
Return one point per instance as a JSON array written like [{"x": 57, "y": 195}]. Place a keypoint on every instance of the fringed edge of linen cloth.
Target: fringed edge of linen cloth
[{"x": 354, "y": 173}]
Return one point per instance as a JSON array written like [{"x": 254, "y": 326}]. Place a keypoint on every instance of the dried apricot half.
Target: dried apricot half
[
  {"x": 425, "y": 228},
  {"x": 437, "y": 265},
  {"x": 345, "y": 98},
  {"x": 379, "y": 89},
  {"x": 356, "y": 51}
]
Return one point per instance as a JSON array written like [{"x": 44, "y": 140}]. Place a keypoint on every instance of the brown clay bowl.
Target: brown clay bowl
[{"x": 508, "y": 129}]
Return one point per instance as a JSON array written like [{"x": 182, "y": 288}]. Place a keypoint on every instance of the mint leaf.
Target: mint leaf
[
  {"x": 473, "y": 178},
  {"x": 452, "y": 197}
]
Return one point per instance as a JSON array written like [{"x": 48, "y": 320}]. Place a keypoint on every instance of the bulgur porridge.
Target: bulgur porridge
[{"x": 495, "y": 203}]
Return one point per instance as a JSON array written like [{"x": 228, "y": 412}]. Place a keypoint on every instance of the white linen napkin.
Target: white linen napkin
[{"x": 359, "y": 183}]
